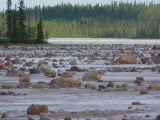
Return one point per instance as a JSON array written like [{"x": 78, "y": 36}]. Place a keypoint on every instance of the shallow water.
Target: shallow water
[{"x": 102, "y": 41}]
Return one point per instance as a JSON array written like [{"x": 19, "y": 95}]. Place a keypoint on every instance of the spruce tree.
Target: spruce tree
[
  {"x": 21, "y": 23},
  {"x": 9, "y": 21},
  {"x": 29, "y": 34},
  {"x": 40, "y": 34},
  {"x": 15, "y": 26}
]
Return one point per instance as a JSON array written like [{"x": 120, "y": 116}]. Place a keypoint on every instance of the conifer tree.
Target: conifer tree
[
  {"x": 15, "y": 26},
  {"x": 21, "y": 23},
  {"x": 9, "y": 21},
  {"x": 40, "y": 34}
]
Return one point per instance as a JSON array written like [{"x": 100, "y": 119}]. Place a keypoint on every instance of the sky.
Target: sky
[{"x": 31, "y": 3}]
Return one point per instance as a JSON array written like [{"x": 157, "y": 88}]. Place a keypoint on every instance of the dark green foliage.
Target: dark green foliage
[
  {"x": 115, "y": 20},
  {"x": 40, "y": 34},
  {"x": 15, "y": 25},
  {"x": 9, "y": 20},
  {"x": 128, "y": 20},
  {"x": 22, "y": 35},
  {"x": 19, "y": 28}
]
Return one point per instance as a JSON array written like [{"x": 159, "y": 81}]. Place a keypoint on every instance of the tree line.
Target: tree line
[
  {"x": 128, "y": 20},
  {"x": 115, "y": 20},
  {"x": 17, "y": 26}
]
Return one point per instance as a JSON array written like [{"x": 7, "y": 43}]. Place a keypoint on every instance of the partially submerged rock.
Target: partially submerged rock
[
  {"x": 25, "y": 78},
  {"x": 34, "y": 71},
  {"x": 44, "y": 116},
  {"x": 24, "y": 82},
  {"x": 65, "y": 83},
  {"x": 14, "y": 73},
  {"x": 91, "y": 76},
  {"x": 127, "y": 58},
  {"x": 37, "y": 109},
  {"x": 157, "y": 59},
  {"x": 123, "y": 87},
  {"x": 4, "y": 115},
  {"x": 110, "y": 84},
  {"x": 118, "y": 69},
  {"x": 47, "y": 70},
  {"x": 136, "y": 103},
  {"x": 67, "y": 118},
  {"x": 72, "y": 62},
  {"x": 158, "y": 117},
  {"x": 67, "y": 74},
  {"x": 76, "y": 69},
  {"x": 2, "y": 66},
  {"x": 29, "y": 64},
  {"x": 154, "y": 86},
  {"x": 144, "y": 91},
  {"x": 139, "y": 80},
  {"x": 7, "y": 86},
  {"x": 39, "y": 85}
]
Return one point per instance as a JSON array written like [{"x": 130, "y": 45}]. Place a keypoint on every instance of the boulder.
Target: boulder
[
  {"x": 139, "y": 80},
  {"x": 17, "y": 61},
  {"x": 65, "y": 83},
  {"x": 7, "y": 86},
  {"x": 144, "y": 91},
  {"x": 4, "y": 115},
  {"x": 49, "y": 54},
  {"x": 54, "y": 60},
  {"x": 37, "y": 109},
  {"x": 136, "y": 103},
  {"x": 9, "y": 64},
  {"x": 24, "y": 78},
  {"x": 72, "y": 62},
  {"x": 47, "y": 70},
  {"x": 67, "y": 118},
  {"x": 156, "y": 59},
  {"x": 158, "y": 117},
  {"x": 29, "y": 64},
  {"x": 42, "y": 63},
  {"x": 110, "y": 84},
  {"x": 91, "y": 76},
  {"x": 124, "y": 87},
  {"x": 89, "y": 86},
  {"x": 102, "y": 87},
  {"x": 76, "y": 69},
  {"x": 117, "y": 69},
  {"x": 14, "y": 73},
  {"x": 34, "y": 71},
  {"x": 39, "y": 85},
  {"x": 44, "y": 116},
  {"x": 67, "y": 74},
  {"x": 156, "y": 47},
  {"x": 24, "y": 84},
  {"x": 24, "y": 81},
  {"x": 2, "y": 66},
  {"x": 127, "y": 58},
  {"x": 154, "y": 86}
]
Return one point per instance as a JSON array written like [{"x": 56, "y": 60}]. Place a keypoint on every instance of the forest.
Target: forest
[
  {"x": 16, "y": 27},
  {"x": 115, "y": 20}
]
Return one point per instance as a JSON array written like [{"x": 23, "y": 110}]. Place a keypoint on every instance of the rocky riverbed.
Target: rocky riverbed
[{"x": 80, "y": 81}]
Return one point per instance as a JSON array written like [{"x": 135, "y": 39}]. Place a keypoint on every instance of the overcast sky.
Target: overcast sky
[{"x": 31, "y": 3}]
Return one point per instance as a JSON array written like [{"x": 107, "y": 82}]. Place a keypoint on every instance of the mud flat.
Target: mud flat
[{"x": 80, "y": 81}]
